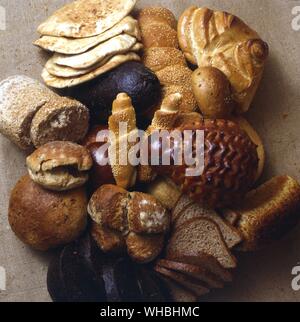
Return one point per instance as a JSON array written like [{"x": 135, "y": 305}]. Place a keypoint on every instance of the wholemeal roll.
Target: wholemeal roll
[
  {"x": 60, "y": 165},
  {"x": 45, "y": 219},
  {"x": 20, "y": 99},
  {"x": 62, "y": 119}
]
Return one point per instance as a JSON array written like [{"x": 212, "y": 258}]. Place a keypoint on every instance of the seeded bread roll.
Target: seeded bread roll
[
  {"x": 60, "y": 120},
  {"x": 20, "y": 99},
  {"x": 158, "y": 28},
  {"x": 60, "y": 165},
  {"x": 45, "y": 219}
]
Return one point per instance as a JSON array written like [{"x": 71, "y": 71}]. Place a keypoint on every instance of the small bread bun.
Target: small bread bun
[
  {"x": 144, "y": 248},
  {"x": 62, "y": 119},
  {"x": 45, "y": 219},
  {"x": 60, "y": 165},
  {"x": 157, "y": 14},
  {"x": 268, "y": 212}
]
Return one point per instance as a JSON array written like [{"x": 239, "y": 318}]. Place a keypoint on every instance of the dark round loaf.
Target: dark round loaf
[{"x": 133, "y": 78}]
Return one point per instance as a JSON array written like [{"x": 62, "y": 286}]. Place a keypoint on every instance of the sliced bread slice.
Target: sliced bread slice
[
  {"x": 179, "y": 293},
  {"x": 181, "y": 204},
  {"x": 203, "y": 260},
  {"x": 231, "y": 235},
  {"x": 198, "y": 273},
  {"x": 186, "y": 282},
  {"x": 202, "y": 235}
]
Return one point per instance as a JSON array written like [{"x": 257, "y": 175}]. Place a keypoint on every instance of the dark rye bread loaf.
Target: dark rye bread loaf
[
  {"x": 203, "y": 260},
  {"x": 202, "y": 235},
  {"x": 185, "y": 281},
  {"x": 200, "y": 274},
  {"x": 231, "y": 235}
]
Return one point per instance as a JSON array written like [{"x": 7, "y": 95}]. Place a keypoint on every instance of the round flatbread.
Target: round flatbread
[
  {"x": 71, "y": 46},
  {"x": 117, "y": 45},
  {"x": 59, "y": 82},
  {"x": 86, "y": 18}
]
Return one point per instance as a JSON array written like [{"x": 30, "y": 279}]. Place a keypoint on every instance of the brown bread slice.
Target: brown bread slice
[
  {"x": 183, "y": 202},
  {"x": 231, "y": 235},
  {"x": 200, "y": 274},
  {"x": 185, "y": 281},
  {"x": 204, "y": 260},
  {"x": 202, "y": 235},
  {"x": 179, "y": 293}
]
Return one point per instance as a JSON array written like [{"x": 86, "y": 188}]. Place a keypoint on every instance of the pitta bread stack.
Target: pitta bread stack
[{"x": 88, "y": 38}]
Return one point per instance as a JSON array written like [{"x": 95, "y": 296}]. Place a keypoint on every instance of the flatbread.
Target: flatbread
[
  {"x": 59, "y": 82},
  {"x": 64, "y": 71},
  {"x": 86, "y": 18},
  {"x": 71, "y": 46},
  {"x": 117, "y": 45}
]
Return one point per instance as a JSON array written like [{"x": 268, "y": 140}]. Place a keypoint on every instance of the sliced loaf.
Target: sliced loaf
[
  {"x": 231, "y": 235},
  {"x": 202, "y": 275},
  {"x": 202, "y": 235},
  {"x": 186, "y": 282}
]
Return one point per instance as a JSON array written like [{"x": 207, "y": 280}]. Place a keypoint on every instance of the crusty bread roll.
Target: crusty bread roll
[
  {"x": 221, "y": 40},
  {"x": 60, "y": 165},
  {"x": 158, "y": 27},
  {"x": 268, "y": 212},
  {"x": 20, "y": 99},
  {"x": 61, "y": 119},
  {"x": 45, "y": 219},
  {"x": 32, "y": 115},
  {"x": 134, "y": 218}
]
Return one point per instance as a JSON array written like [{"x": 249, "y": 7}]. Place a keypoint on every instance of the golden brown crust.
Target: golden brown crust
[
  {"x": 269, "y": 212},
  {"x": 44, "y": 219},
  {"x": 109, "y": 240},
  {"x": 144, "y": 248},
  {"x": 146, "y": 214},
  {"x": 122, "y": 111},
  {"x": 60, "y": 165},
  {"x": 221, "y": 40},
  {"x": 108, "y": 207},
  {"x": 157, "y": 14}
]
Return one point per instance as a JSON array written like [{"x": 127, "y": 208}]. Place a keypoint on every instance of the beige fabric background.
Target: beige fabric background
[{"x": 263, "y": 276}]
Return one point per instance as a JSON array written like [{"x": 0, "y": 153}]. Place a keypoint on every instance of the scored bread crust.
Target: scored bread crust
[
  {"x": 209, "y": 237},
  {"x": 59, "y": 165},
  {"x": 62, "y": 119}
]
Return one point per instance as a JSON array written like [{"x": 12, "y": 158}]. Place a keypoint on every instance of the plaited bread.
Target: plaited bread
[
  {"x": 20, "y": 99},
  {"x": 62, "y": 119},
  {"x": 161, "y": 52},
  {"x": 60, "y": 165}
]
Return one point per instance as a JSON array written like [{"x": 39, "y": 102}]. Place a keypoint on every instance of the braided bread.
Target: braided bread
[{"x": 161, "y": 55}]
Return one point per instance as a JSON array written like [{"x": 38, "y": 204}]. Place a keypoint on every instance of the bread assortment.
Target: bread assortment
[
  {"x": 88, "y": 38},
  {"x": 112, "y": 215},
  {"x": 162, "y": 55},
  {"x": 211, "y": 38},
  {"x": 59, "y": 165},
  {"x": 32, "y": 115}
]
